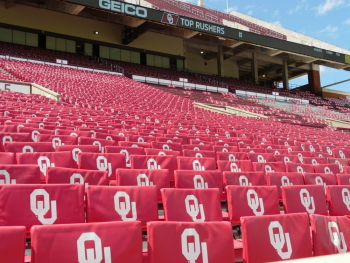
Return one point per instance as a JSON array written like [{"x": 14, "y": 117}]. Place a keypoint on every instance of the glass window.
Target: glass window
[
  {"x": 19, "y": 37},
  {"x": 71, "y": 46},
  {"x": 125, "y": 55},
  {"x": 104, "y": 52},
  {"x": 135, "y": 57},
  {"x": 114, "y": 53},
  {"x": 5, "y": 35},
  {"x": 32, "y": 39},
  {"x": 61, "y": 44},
  {"x": 50, "y": 43}
]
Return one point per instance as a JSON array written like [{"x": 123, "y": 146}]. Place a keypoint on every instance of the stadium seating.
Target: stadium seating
[
  {"x": 281, "y": 237},
  {"x": 304, "y": 198},
  {"x": 37, "y": 204},
  {"x": 191, "y": 205},
  {"x": 330, "y": 234},
  {"x": 182, "y": 242},
  {"x": 121, "y": 203},
  {"x": 109, "y": 241},
  {"x": 120, "y": 135},
  {"x": 13, "y": 244},
  {"x": 251, "y": 201}
]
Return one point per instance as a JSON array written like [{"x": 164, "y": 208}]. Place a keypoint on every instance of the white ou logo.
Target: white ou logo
[
  {"x": 261, "y": 159},
  {"x": 77, "y": 179},
  {"x": 197, "y": 166},
  {"x": 268, "y": 169},
  {"x": 286, "y": 143},
  {"x": 327, "y": 170},
  {"x": 166, "y": 147},
  {"x": 140, "y": 139},
  {"x": 6, "y": 138},
  {"x": 300, "y": 157},
  {"x": 199, "y": 183},
  {"x": 199, "y": 155},
  {"x": 7, "y": 178},
  {"x": 278, "y": 240},
  {"x": 227, "y": 135},
  {"x": 314, "y": 162},
  {"x": 224, "y": 150},
  {"x": 340, "y": 166},
  {"x": 319, "y": 181},
  {"x": 226, "y": 144},
  {"x": 27, "y": 149},
  {"x": 35, "y": 135},
  {"x": 337, "y": 238},
  {"x": 201, "y": 143},
  {"x": 285, "y": 181},
  {"x": 194, "y": 209},
  {"x": 231, "y": 157},
  {"x": 56, "y": 142},
  {"x": 234, "y": 168},
  {"x": 312, "y": 149},
  {"x": 192, "y": 250},
  {"x": 346, "y": 197},
  {"x": 276, "y": 152},
  {"x": 103, "y": 165},
  {"x": 300, "y": 170},
  {"x": 161, "y": 153},
  {"x": 100, "y": 148},
  {"x": 302, "y": 146},
  {"x": 341, "y": 154},
  {"x": 255, "y": 202},
  {"x": 307, "y": 201},
  {"x": 196, "y": 149},
  {"x": 123, "y": 207},
  {"x": 6, "y": 113},
  {"x": 243, "y": 181},
  {"x": 44, "y": 162},
  {"x": 329, "y": 151},
  {"x": 75, "y": 152},
  {"x": 40, "y": 208},
  {"x": 170, "y": 18},
  {"x": 109, "y": 138},
  {"x": 286, "y": 160},
  {"x": 152, "y": 164},
  {"x": 143, "y": 180},
  {"x": 73, "y": 134},
  {"x": 127, "y": 157},
  {"x": 92, "y": 255}
]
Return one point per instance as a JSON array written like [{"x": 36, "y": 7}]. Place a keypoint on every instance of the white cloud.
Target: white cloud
[
  {"x": 276, "y": 13},
  {"x": 329, "y": 29},
  {"x": 322, "y": 9},
  {"x": 347, "y": 22},
  {"x": 250, "y": 13},
  {"x": 277, "y": 23},
  {"x": 233, "y": 8},
  {"x": 323, "y": 69},
  {"x": 249, "y": 6}
]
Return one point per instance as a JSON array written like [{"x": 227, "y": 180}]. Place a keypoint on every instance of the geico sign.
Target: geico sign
[{"x": 123, "y": 8}]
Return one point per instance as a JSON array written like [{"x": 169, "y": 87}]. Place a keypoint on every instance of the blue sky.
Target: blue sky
[{"x": 326, "y": 20}]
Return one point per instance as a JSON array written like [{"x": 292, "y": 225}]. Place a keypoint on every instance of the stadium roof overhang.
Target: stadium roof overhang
[{"x": 200, "y": 36}]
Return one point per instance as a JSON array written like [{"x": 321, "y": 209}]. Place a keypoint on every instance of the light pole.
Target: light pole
[{"x": 227, "y": 6}]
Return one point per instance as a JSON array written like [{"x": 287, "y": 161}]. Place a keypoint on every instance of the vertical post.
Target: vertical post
[
  {"x": 314, "y": 79},
  {"x": 220, "y": 61},
  {"x": 254, "y": 64},
  {"x": 285, "y": 75}
]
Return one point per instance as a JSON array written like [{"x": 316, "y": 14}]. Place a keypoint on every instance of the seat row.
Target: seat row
[{"x": 265, "y": 239}]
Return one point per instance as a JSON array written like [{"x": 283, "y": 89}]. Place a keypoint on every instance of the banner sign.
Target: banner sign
[{"x": 210, "y": 28}]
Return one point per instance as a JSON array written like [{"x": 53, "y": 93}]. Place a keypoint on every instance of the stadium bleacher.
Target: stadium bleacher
[
  {"x": 111, "y": 113},
  {"x": 117, "y": 170}
]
